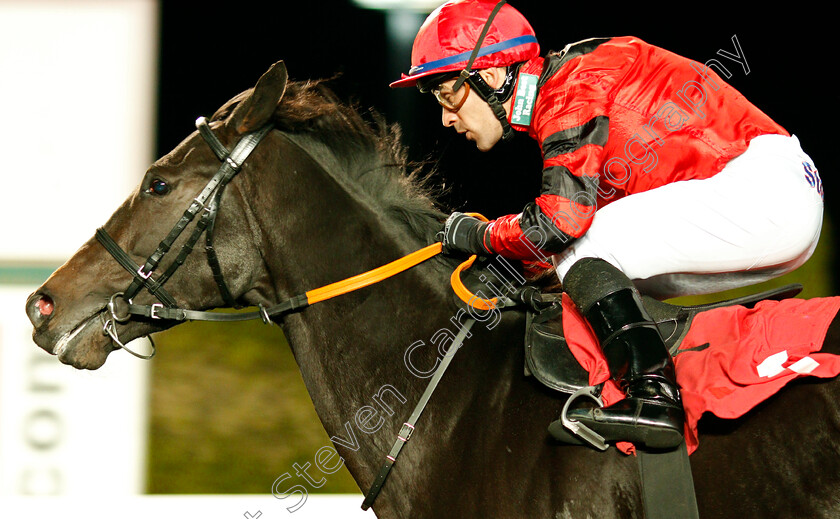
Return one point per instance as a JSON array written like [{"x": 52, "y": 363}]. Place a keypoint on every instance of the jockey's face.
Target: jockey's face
[{"x": 475, "y": 119}]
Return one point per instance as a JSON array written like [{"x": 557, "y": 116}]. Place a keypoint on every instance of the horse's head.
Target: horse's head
[{"x": 178, "y": 195}]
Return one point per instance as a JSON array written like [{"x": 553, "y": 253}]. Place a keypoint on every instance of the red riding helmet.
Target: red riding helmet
[{"x": 448, "y": 36}]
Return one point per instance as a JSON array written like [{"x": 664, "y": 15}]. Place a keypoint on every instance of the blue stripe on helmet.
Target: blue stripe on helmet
[{"x": 490, "y": 49}]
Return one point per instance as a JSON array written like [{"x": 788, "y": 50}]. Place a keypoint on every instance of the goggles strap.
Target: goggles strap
[{"x": 466, "y": 72}]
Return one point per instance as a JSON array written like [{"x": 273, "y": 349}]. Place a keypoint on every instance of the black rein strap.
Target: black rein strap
[{"x": 158, "y": 311}]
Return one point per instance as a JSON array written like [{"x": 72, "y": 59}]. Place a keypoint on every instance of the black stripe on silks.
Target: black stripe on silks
[
  {"x": 558, "y": 180},
  {"x": 555, "y": 60},
  {"x": 541, "y": 231},
  {"x": 594, "y": 131}
]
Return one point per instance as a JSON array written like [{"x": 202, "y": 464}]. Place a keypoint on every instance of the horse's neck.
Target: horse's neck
[
  {"x": 366, "y": 357},
  {"x": 350, "y": 347}
]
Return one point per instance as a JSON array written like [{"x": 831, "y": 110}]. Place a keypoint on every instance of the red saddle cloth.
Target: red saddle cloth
[{"x": 732, "y": 358}]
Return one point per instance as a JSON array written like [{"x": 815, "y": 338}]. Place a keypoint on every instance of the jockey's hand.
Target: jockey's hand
[{"x": 465, "y": 234}]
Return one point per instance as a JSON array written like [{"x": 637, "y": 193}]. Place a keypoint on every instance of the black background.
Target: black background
[{"x": 207, "y": 55}]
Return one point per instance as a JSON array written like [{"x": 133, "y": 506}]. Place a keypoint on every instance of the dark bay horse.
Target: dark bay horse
[{"x": 326, "y": 196}]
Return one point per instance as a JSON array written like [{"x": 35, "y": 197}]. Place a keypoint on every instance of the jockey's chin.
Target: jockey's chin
[{"x": 484, "y": 141}]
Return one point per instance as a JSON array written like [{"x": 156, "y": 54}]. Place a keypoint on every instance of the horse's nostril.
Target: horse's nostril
[
  {"x": 39, "y": 308},
  {"x": 45, "y": 305}
]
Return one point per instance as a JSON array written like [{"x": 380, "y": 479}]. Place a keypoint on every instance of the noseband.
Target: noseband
[{"x": 207, "y": 203}]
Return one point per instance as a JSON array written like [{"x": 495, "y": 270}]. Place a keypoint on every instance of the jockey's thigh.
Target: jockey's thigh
[{"x": 759, "y": 218}]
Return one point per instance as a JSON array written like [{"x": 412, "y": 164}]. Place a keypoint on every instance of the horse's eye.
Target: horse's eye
[{"x": 159, "y": 187}]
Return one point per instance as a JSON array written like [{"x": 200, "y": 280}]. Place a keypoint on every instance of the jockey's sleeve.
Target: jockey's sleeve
[{"x": 572, "y": 143}]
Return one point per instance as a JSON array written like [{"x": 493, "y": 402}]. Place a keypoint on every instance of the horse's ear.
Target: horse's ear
[{"x": 256, "y": 109}]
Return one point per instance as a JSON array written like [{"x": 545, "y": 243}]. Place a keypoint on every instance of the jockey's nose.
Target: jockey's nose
[{"x": 448, "y": 117}]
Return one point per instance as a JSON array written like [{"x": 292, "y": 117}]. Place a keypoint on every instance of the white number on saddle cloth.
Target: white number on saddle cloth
[{"x": 774, "y": 364}]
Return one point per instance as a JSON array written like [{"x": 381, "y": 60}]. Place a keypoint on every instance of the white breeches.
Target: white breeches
[{"x": 757, "y": 219}]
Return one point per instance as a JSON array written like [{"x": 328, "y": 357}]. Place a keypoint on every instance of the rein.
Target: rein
[{"x": 122, "y": 313}]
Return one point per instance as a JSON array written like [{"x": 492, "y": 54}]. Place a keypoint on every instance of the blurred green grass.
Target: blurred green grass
[{"x": 230, "y": 413}]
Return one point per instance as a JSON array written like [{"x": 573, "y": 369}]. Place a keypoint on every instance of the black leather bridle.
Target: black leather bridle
[{"x": 207, "y": 204}]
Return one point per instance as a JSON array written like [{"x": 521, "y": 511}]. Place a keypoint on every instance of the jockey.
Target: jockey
[{"x": 658, "y": 177}]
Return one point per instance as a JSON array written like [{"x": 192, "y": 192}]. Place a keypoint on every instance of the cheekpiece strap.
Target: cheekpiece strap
[{"x": 215, "y": 144}]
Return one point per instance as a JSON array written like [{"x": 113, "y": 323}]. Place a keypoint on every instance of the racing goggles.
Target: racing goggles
[{"x": 452, "y": 100}]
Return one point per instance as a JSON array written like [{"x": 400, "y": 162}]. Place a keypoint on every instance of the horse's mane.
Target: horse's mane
[{"x": 364, "y": 153}]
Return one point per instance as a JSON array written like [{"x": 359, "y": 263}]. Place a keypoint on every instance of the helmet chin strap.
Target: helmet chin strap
[{"x": 497, "y": 97}]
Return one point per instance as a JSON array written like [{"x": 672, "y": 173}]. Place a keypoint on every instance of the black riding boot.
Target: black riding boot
[{"x": 638, "y": 360}]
